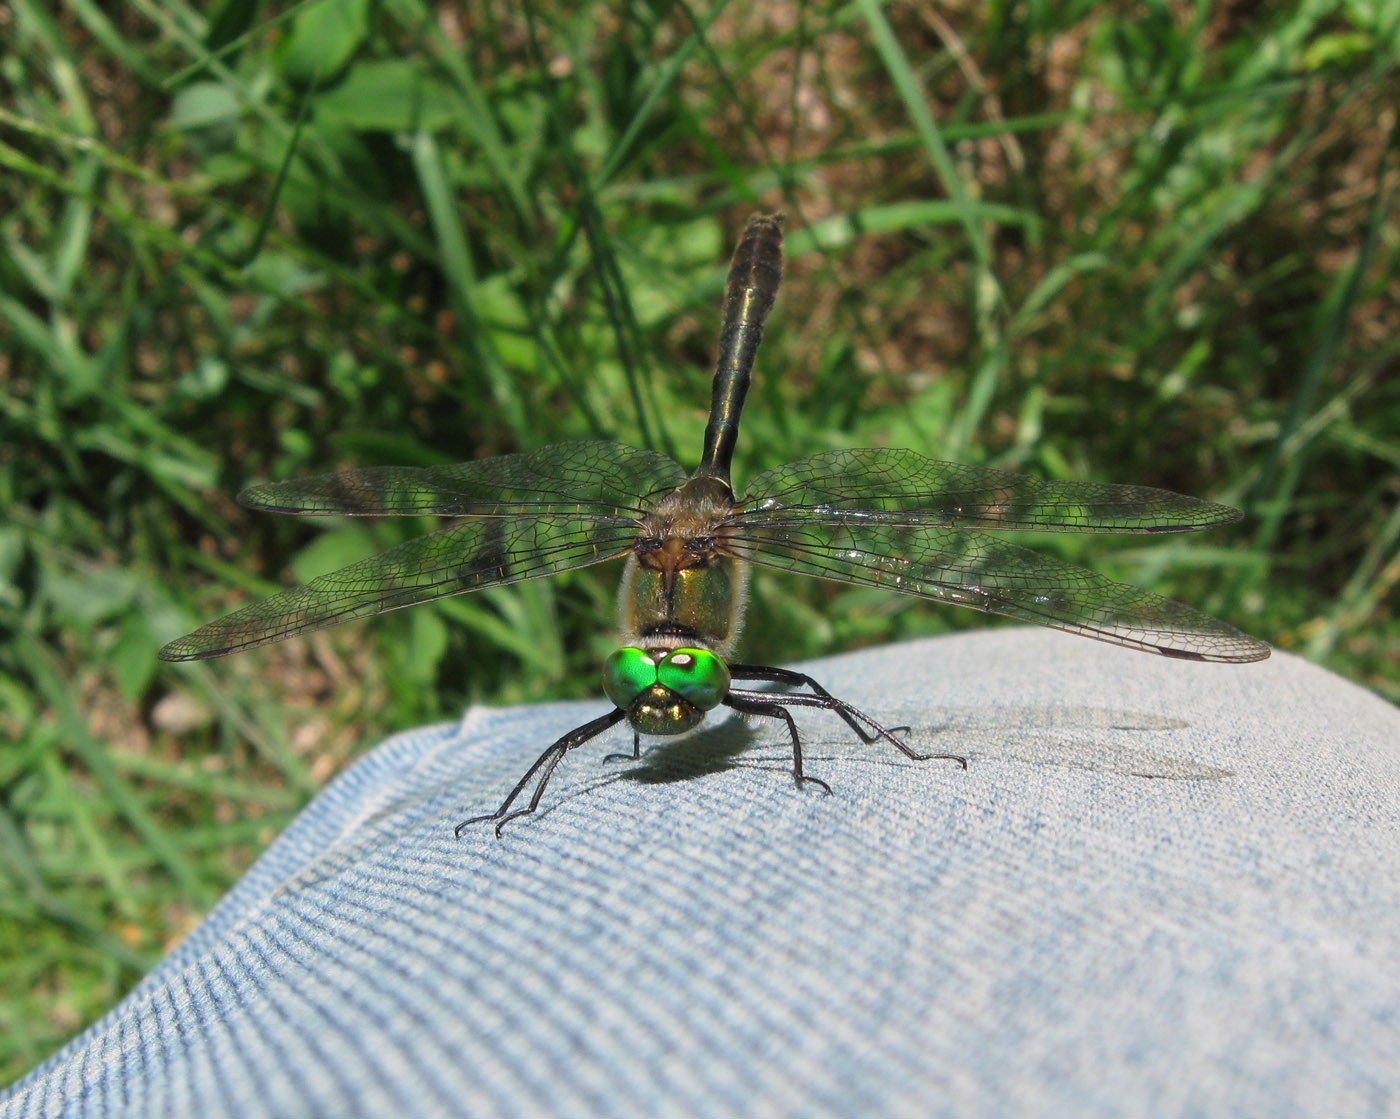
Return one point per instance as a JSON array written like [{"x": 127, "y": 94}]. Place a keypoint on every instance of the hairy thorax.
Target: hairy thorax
[{"x": 682, "y": 579}]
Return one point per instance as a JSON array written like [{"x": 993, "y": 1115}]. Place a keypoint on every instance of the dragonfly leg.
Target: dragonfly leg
[
  {"x": 541, "y": 772},
  {"x": 760, "y": 703},
  {"x": 856, "y": 719},
  {"x": 634, "y": 756},
  {"x": 851, "y": 716}
]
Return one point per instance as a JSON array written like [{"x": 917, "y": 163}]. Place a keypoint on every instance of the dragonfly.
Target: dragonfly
[{"x": 877, "y": 517}]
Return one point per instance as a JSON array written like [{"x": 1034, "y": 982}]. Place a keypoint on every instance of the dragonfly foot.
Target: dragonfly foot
[
  {"x": 465, "y": 824},
  {"x": 504, "y": 820},
  {"x": 803, "y": 779},
  {"x": 634, "y": 756},
  {"x": 499, "y": 820},
  {"x": 962, "y": 761}
]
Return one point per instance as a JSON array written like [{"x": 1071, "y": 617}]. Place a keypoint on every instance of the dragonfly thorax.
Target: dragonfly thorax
[
  {"x": 682, "y": 581},
  {"x": 665, "y": 687}
]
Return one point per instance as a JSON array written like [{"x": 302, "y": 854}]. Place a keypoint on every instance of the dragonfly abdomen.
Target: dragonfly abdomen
[{"x": 754, "y": 276}]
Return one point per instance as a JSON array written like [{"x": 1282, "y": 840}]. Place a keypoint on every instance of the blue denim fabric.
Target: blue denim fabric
[{"x": 1160, "y": 889}]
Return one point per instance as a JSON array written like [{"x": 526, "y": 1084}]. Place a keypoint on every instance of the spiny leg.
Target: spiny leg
[
  {"x": 542, "y": 771},
  {"x": 759, "y": 703},
  {"x": 767, "y": 674},
  {"x": 831, "y": 703},
  {"x": 854, "y": 718}
]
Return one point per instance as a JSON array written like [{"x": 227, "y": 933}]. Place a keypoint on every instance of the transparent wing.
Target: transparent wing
[
  {"x": 903, "y": 488},
  {"x": 972, "y": 569},
  {"x": 595, "y": 479},
  {"x": 466, "y": 556}
]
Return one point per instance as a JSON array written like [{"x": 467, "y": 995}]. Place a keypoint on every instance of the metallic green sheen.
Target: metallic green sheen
[
  {"x": 696, "y": 675},
  {"x": 627, "y": 673}
]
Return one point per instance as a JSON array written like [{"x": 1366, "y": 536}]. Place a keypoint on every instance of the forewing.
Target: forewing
[
  {"x": 466, "y": 556},
  {"x": 903, "y": 488},
  {"x": 972, "y": 569},
  {"x": 578, "y": 479}
]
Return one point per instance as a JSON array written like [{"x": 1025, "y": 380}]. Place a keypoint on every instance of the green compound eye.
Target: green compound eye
[
  {"x": 627, "y": 673},
  {"x": 696, "y": 675}
]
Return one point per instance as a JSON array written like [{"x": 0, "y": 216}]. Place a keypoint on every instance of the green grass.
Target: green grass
[{"x": 261, "y": 241}]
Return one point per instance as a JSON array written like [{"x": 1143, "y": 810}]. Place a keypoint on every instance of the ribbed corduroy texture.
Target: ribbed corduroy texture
[{"x": 1160, "y": 889}]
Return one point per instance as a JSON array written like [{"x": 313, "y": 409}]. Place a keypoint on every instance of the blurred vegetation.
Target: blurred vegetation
[{"x": 1152, "y": 243}]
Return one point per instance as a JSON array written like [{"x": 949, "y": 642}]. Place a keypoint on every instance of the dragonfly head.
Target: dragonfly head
[{"x": 665, "y": 691}]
